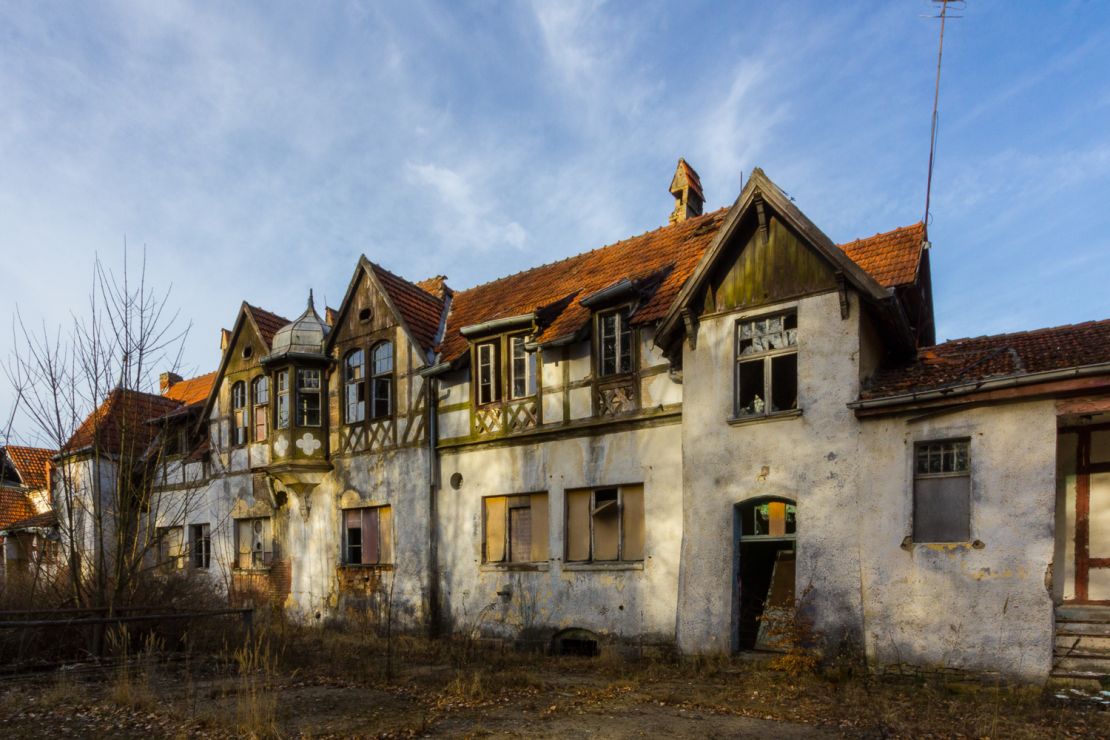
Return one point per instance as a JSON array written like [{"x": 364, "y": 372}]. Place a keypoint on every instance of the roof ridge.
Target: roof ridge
[
  {"x": 1023, "y": 333},
  {"x": 682, "y": 224},
  {"x": 896, "y": 229},
  {"x": 403, "y": 279}
]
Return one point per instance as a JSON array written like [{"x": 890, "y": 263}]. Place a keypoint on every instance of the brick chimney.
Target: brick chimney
[
  {"x": 225, "y": 339},
  {"x": 330, "y": 315},
  {"x": 686, "y": 189},
  {"x": 167, "y": 381}
]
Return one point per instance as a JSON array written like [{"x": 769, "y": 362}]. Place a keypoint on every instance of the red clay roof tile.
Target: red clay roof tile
[
  {"x": 193, "y": 390},
  {"x": 893, "y": 257},
  {"x": 14, "y": 505},
  {"x": 420, "y": 310},
  {"x": 963, "y": 361},
  {"x": 673, "y": 251},
  {"x": 121, "y": 421},
  {"x": 30, "y": 463},
  {"x": 268, "y": 323}
]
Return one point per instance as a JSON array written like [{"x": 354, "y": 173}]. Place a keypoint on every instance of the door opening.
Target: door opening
[{"x": 764, "y": 588}]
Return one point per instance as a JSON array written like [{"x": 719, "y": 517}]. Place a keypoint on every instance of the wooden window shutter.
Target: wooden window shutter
[
  {"x": 632, "y": 521},
  {"x": 495, "y": 529},
  {"x": 539, "y": 527},
  {"x": 370, "y": 537},
  {"x": 385, "y": 528},
  {"x": 578, "y": 525}
]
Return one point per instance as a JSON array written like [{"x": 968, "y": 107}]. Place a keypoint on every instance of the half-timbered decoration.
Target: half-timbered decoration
[{"x": 685, "y": 438}]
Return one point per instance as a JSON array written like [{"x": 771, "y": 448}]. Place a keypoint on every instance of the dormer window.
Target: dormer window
[
  {"x": 260, "y": 396},
  {"x": 382, "y": 379},
  {"x": 239, "y": 422},
  {"x": 767, "y": 365},
  {"x": 281, "y": 415},
  {"x": 488, "y": 390},
  {"x": 355, "y": 387},
  {"x": 308, "y": 397},
  {"x": 614, "y": 347},
  {"x": 522, "y": 370}
]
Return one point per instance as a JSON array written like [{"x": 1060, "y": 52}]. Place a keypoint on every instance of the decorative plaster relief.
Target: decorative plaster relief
[{"x": 308, "y": 444}]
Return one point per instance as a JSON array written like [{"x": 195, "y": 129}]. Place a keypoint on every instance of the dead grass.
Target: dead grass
[{"x": 290, "y": 681}]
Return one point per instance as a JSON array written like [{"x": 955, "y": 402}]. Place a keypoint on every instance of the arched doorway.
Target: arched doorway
[{"x": 765, "y": 535}]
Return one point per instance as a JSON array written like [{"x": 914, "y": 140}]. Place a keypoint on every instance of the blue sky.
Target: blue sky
[{"x": 256, "y": 150}]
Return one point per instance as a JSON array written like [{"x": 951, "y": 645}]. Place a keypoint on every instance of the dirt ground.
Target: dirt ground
[{"x": 344, "y": 686}]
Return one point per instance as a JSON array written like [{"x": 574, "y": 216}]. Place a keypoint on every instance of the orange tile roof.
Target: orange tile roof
[
  {"x": 121, "y": 420},
  {"x": 30, "y": 463},
  {"x": 669, "y": 253},
  {"x": 193, "y": 390},
  {"x": 437, "y": 286},
  {"x": 268, "y": 323},
  {"x": 963, "y": 361},
  {"x": 43, "y": 520},
  {"x": 893, "y": 257},
  {"x": 420, "y": 310},
  {"x": 14, "y": 505}
]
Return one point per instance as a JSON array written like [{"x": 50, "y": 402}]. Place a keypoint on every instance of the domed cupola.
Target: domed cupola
[
  {"x": 299, "y": 371},
  {"x": 304, "y": 337}
]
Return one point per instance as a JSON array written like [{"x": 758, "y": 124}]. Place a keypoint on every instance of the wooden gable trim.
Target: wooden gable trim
[
  {"x": 214, "y": 393},
  {"x": 367, "y": 269},
  {"x": 759, "y": 193}
]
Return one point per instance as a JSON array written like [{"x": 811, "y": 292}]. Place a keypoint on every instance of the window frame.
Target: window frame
[
  {"x": 306, "y": 392},
  {"x": 592, "y": 510},
  {"x": 494, "y": 347},
  {"x": 282, "y": 415},
  {"x": 357, "y": 385},
  {"x": 766, "y": 359},
  {"x": 624, "y": 333},
  {"x": 267, "y": 552},
  {"x": 529, "y": 367},
  {"x": 512, "y": 502},
  {"x": 240, "y": 408},
  {"x": 965, "y": 473},
  {"x": 385, "y": 536},
  {"x": 200, "y": 555},
  {"x": 382, "y": 379},
  {"x": 168, "y": 561},
  {"x": 260, "y": 402}
]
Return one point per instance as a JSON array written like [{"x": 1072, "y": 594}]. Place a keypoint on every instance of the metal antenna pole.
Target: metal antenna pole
[{"x": 936, "y": 101}]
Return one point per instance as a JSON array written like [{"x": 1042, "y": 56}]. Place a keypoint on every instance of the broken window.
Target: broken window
[
  {"x": 522, "y": 368},
  {"x": 355, "y": 387},
  {"x": 486, "y": 373},
  {"x": 605, "y": 524},
  {"x": 514, "y": 528},
  {"x": 769, "y": 519},
  {"x": 174, "y": 441},
  {"x": 767, "y": 365},
  {"x": 382, "y": 381},
  {"x": 368, "y": 536},
  {"x": 942, "y": 491},
  {"x": 239, "y": 421},
  {"x": 282, "y": 413},
  {"x": 308, "y": 397},
  {"x": 170, "y": 540},
  {"x": 200, "y": 545},
  {"x": 254, "y": 544},
  {"x": 614, "y": 343},
  {"x": 260, "y": 393}
]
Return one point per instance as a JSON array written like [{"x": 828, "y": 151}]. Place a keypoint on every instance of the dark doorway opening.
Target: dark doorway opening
[
  {"x": 764, "y": 586},
  {"x": 575, "y": 641}
]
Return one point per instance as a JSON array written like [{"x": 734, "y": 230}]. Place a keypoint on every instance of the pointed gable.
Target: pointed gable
[{"x": 30, "y": 464}]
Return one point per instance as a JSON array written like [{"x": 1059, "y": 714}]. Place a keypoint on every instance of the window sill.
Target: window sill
[
  {"x": 737, "y": 421},
  {"x": 515, "y": 567},
  {"x": 360, "y": 566},
  {"x": 249, "y": 571},
  {"x": 604, "y": 566}
]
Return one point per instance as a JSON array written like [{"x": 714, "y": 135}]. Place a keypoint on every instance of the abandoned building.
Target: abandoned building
[
  {"x": 666, "y": 440},
  {"x": 26, "y": 510}
]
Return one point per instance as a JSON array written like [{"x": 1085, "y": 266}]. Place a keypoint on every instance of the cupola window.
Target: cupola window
[
  {"x": 282, "y": 411},
  {"x": 308, "y": 397}
]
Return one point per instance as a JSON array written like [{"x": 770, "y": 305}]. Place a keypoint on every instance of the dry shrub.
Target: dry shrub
[{"x": 256, "y": 699}]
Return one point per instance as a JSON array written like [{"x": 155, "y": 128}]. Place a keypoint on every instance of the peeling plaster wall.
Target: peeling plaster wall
[
  {"x": 982, "y": 608},
  {"x": 620, "y": 600},
  {"x": 813, "y": 459}
]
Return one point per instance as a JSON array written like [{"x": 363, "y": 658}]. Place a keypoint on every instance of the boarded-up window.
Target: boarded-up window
[
  {"x": 605, "y": 524},
  {"x": 368, "y": 536},
  {"x": 514, "y": 528},
  {"x": 254, "y": 542},
  {"x": 942, "y": 492},
  {"x": 170, "y": 548}
]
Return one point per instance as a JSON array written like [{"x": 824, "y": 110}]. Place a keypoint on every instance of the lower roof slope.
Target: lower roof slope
[{"x": 964, "y": 361}]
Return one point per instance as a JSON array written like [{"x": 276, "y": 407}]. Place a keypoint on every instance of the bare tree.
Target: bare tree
[{"x": 91, "y": 391}]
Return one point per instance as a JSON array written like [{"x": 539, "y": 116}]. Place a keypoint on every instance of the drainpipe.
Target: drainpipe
[{"x": 434, "y": 619}]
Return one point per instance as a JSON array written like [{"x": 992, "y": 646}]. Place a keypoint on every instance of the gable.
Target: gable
[
  {"x": 765, "y": 265},
  {"x": 366, "y": 314}
]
